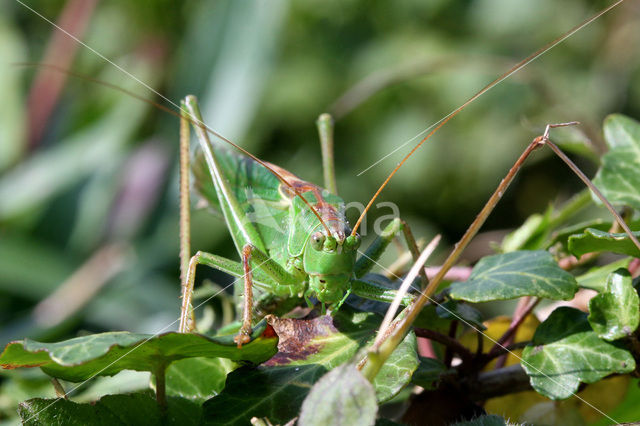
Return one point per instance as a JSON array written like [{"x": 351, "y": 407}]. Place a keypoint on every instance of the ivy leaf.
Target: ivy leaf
[
  {"x": 516, "y": 274},
  {"x": 197, "y": 379},
  {"x": 133, "y": 409},
  {"x": 106, "y": 354},
  {"x": 307, "y": 350},
  {"x": 596, "y": 278},
  {"x": 619, "y": 175},
  {"x": 343, "y": 396},
  {"x": 566, "y": 351},
  {"x": 561, "y": 236},
  {"x": 593, "y": 240},
  {"x": 615, "y": 313}
]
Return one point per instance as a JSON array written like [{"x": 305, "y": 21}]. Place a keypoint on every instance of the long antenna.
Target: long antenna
[
  {"x": 495, "y": 82},
  {"x": 194, "y": 121}
]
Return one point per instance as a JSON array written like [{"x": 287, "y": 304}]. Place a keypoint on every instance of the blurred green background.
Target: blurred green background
[{"x": 88, "y": 175}]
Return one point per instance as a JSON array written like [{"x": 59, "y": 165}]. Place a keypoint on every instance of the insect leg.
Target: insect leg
[
  {"x": 264, "y": 275},
  {"x": 374, "y": 291},
  {"x": 325, "y": 130},
  {"x": 185, "y": 218},
  {"x": 260, "y": 261}
]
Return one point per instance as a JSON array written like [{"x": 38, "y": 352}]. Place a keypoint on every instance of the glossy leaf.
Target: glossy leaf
[
  {"x": 516, "y": 274},
  {"x": 615, "y": 313},
  {"x": 197, "y": 378},
  {"x": 593, "y": 240},
  {"x": 596, "y": 278},
  {"x": 308, "y": 349},
  {"x": 619, "y": 175},
  {"x": 109, "y": 353},
  {"x": 133, "y": 409},
  {"x": 566, "y": 352},
  {"x": 343, "y": 396},
  {"x": 562, "y": 235}
]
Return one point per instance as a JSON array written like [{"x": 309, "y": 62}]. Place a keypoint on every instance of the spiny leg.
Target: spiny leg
[
  {"x": 266, "y": 273},
  {"x": 325, "y": 130},
  {"x": 243, "y": 335},
  {"x": 185, "y": 221}
]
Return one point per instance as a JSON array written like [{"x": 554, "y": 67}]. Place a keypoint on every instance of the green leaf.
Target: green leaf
[
  {"x": 562, "y": 235},
  {"x": 593, "y": 240},
  {"x": 619, "y": 175},
  {"x": 516, "y": 274},
  {"x": 343, "y": 396},
  {"x": 307, "y": 350},
  {"x": 530, "y": 235},
  {"x": 397, "y": 371},
  {"x": 106, "y": 354},
  {"x": 197, "y": 379},
  {"x": 133, "y": 409},
  {"x": 615, "y": 313},
  {"x": 566, "y": 351},
  {"x": 429, "y": 317},
  {"x": 596, "y": 278},
  {"x": 428, "y": 373}
]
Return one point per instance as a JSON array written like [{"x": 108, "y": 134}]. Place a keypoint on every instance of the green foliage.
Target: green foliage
[
  {"x": 516, "y": 274},
  {"x": 342, "y": 396},
  {"x": 593, "y": 240},
  {"x": 88, "y": 216},
  {"x": 619, "y": 176},
  {"x": 308, "y": 350},
  {"x": 615, "y": 312},
  {"x": 106, "y": 354},
  {"x": 566, "y": 351},
  {"x": 139, "y": 408}
]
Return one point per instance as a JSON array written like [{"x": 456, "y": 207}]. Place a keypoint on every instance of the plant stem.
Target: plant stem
[
  {"x": 161, "y": 388},
  {"x": 518, "y": 318},
  {"x": 449, "y": 342},
  {"x": 60, "y": 392}
]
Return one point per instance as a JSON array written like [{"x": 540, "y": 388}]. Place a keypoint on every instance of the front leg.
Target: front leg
[
  {"x": 264, "y": 272},
  {"x": 243, "y": 335},
  {"x": 374, "y": 291}
]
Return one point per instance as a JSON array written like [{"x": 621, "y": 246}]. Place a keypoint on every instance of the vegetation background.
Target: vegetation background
[{"x": 88, "y": 175}]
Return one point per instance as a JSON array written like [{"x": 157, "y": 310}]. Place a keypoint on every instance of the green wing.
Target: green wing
[{"x": 258, "y": 192}]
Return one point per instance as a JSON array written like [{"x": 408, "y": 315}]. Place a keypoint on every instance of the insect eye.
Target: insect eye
[
  {"x": 317, "y": 240},
  {"x": 352, "y": 242},
  {"x": 330, "y": 243}
]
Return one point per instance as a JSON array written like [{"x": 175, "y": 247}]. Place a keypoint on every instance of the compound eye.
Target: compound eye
[
  {"x": 317, "y": 240},
  {"x": 330, "y": 244},
  {"x": 352, "y": 242}
]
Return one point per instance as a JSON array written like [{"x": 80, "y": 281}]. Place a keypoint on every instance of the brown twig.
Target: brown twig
[{"x": 447, "y": 341}]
